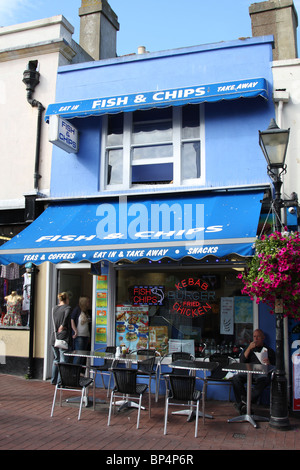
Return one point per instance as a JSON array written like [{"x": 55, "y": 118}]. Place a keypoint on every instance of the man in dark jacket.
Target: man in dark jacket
[{"x": 260, "y": 381}]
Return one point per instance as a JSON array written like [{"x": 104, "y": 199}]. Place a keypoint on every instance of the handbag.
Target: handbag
[{"x": 61, "y": 344}]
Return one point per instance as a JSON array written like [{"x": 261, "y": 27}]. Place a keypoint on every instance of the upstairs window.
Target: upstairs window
[{"x": 156, "y": 146}]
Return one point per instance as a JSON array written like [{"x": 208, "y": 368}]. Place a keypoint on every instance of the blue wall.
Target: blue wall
[{"x": 233, "y": 156}]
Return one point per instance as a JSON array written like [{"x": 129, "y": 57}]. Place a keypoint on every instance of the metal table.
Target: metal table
[
  {"x": 193, "y": 366},
  {"x": 88, "y": 355},
  {"x": 249, "y": 369},
  {"x": 128, "y": 359}
]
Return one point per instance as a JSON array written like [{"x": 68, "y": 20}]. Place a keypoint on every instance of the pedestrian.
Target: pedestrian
[
  {"x": 81, "y": 325},
  {"x": 61, "y": 315}
]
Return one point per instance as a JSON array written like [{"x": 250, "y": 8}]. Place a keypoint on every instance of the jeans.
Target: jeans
[
  {"x": 260, "y": 382},
  {"x": 59, "y": 356},
  {"x": 81, "y": 343}
]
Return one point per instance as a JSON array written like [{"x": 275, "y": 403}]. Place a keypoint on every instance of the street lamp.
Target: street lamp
[{"x": 274, "y": 142}]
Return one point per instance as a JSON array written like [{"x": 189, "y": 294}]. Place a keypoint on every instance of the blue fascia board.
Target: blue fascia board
[{"x": 169, "y": 53}]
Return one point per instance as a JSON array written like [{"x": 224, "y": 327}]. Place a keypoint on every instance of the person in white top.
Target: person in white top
[{"x": 81, "y": 326}]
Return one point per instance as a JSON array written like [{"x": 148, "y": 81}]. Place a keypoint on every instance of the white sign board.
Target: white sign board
[
  {"x": 63, "y": 134},
  {"x": 226, "y": 318},
  {"x": 182, "y": 345}
]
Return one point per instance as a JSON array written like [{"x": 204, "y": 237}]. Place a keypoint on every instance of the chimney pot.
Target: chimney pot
[
  {"x": 98, "y": 29},
  {"x": 278, "y": 18}
]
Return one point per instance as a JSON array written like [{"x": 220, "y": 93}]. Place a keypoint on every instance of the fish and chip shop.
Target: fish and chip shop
[{"x": 156, "y": 212}]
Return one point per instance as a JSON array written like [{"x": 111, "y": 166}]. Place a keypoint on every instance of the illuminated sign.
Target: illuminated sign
[
  {"x": 190, "y": 302},
  {"x": 148, "y": 295}
]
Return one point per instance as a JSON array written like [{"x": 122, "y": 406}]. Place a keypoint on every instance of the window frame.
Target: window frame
[{"x": 176, "y": 159}]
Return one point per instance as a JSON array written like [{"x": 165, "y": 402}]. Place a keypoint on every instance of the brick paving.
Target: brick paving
[{"x": 25, "y": 424}]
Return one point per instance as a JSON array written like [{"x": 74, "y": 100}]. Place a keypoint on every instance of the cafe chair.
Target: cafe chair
[
  {"x": 103, "y": 369},
  {"x": 71, "y": 380},
  {"x": 182, "y": 389},
  {"x": 127, "y": 388},
  {"x": 148, "y": 367},
  {"x": 145, "y": 368},
  {"x": 175, "y": 356},
  {"x": 185, "y": 356},
  {"x": 218, "y": 376}
]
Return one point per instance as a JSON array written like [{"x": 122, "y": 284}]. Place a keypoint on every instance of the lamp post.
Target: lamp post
[{"x": 274, "y": 142}]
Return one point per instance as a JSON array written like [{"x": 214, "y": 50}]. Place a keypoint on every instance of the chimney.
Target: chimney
[
  {"x": 278, "y": 18},
  {"x": 98, "y": 29}
]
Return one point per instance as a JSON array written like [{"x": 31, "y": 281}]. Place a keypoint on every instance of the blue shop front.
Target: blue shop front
[{"x": 158, "y": 185}]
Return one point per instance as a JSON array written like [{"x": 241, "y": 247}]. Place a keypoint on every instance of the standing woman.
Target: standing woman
[
  {"x": 81, "y": 326},
  {"x": 62, "y": 328}
]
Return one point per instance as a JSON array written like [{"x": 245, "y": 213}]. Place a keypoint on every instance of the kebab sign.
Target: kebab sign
[{"x": 190, "y": 303}]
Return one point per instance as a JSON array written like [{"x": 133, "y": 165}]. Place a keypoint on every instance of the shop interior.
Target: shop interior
[{"x": 182, "y": 308}]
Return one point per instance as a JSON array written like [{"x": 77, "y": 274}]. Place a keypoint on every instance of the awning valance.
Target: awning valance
[
  {"x": 133, "y": 229},
  {"x": 160, "y": 98}
]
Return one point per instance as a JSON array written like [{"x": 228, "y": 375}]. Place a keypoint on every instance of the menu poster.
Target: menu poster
[
  {"x": 101, "y": 317},
  {"x": 101, "y": 300},
  {"x": 158, "y": 339},
  {"x": 100, "y": 336},
  {"x": 132, "y": 326},
  {"x": 101, "y": 309},
  {"x": 243, "y": 309},
  {"x": 101, "y": 282},
  {"x": 227, "y": 317}
]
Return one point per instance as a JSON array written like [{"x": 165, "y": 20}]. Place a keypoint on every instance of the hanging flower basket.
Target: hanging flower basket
[{"x": 274, "y": 272}]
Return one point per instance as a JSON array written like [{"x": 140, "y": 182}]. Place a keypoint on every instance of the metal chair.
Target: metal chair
[
  {"x": 182, "y": 389},
  {"x": 103, "y": 369},
  {"x": 174, "y": 357},
  {"x": 126, "y": 384},
  {"x": 147, "y": 367},
  {"x": 71, "y": 380},
  {"x": 218, "y": 375}
]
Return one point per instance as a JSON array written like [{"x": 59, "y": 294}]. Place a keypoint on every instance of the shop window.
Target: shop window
[
  {"x": 15, "y": 287},
  {"x": 156, "y": 146},
  {"x": 182, "y": 310},
  {"x": 15, "y": 291}
]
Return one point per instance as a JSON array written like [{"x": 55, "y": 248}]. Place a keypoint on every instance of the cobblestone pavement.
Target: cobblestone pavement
[{"x": 25, "y": 424}]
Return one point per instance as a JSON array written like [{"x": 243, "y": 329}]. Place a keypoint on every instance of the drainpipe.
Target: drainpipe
[
  {"x": 30, "y": 370},
  {"x": 31, "y": 78},
  {"x": 280, "y": 96}
]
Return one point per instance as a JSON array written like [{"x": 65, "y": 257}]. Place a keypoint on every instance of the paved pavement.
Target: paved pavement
[{"x": 25, "y": 424}]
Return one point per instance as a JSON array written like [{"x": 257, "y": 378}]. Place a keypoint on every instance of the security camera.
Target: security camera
[{"x": 292, "y": 210}]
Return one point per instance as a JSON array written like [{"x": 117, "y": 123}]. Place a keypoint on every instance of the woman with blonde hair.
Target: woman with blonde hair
[
  {"x": 81, "y": 326},
  {"x": 61, "y": 315}
]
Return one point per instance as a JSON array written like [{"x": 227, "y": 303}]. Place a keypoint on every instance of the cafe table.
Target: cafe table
[
  {"x": 193, "y": 366},
  {"x": 127, "y": 359},
  {"x": 250, "y": 370},
  {"x": 88, "y": 355}
]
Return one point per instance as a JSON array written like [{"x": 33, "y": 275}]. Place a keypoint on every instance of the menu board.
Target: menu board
[
  {"x": 101, "y": 309},
  {"x": 132, "y": 326},
  {"x": 158, "y": 339}
]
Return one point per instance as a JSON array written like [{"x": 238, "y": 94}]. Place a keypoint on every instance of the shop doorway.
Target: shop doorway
[
  {"x": 76, "y": 280},
  {"x": 75, "y": 283}
]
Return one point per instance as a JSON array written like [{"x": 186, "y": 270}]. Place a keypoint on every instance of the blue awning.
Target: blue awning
[
  {"x": 133, "y": 229},
  {"x": 160, "y": 98}
]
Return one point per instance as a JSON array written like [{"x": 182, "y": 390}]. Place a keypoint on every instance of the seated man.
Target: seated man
[{"x": 259, "y": 381}]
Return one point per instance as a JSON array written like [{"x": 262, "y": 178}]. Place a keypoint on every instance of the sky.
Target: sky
[{"x": 156, "y": 24}]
